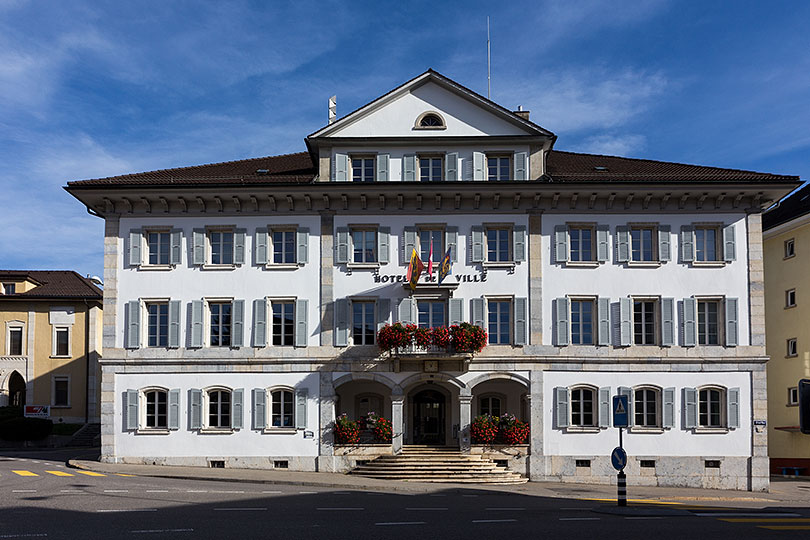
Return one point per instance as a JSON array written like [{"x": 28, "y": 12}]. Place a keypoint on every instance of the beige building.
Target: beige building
[
  {"x": 50, "y": 343},
  {"x": 786, "y": 232}
]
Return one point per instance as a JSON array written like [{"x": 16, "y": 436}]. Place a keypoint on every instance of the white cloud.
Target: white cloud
[{"x": 611, "y": 145}]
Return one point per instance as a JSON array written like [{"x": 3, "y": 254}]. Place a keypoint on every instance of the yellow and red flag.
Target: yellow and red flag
[
  {"x": 414, "y": 270},
  {"x": 445, "y": 267}
]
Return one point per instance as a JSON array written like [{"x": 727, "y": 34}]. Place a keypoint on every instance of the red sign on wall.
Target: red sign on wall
[{"x": 37, "y": 411}]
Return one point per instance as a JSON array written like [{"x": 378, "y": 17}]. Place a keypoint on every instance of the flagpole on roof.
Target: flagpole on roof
[{"x": 489, "y": 93}]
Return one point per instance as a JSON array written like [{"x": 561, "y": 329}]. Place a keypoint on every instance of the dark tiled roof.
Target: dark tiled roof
[
  {"x": 52, "y": 284},
  {"x": 287, "y": 168},
  {"x": 795, "y": 205},
  {"x": 575, "y": 167}
]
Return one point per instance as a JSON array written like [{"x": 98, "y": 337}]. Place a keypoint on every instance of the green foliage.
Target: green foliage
[{"x": 25, "y": 429}]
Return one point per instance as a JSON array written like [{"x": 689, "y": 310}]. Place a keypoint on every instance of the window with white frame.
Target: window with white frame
[
  {"x": 364, "y": 244},
  {"x": 499, "y": 313},
  {"x": 790, "y": 298},
  {"x": 14, "y": 339},
  {"x": 793, "y": 396},
  {"x": 708, "y": 323},
  {"x": 643, "y": 243},
  {"x": 362, "y": 168},
  {"x": 61, "y": 341},
  {"x": 364, "y": 324},
  {"x": 431, "y": 239},
  {"x": 499, "y": 167},
  {"x": 429, "y": 120},
  {"x": 431, "y": 313},
  {"x": 283, "y": 240},
  {"x": 282, "y": 408},
  {"x": 792, "y": 347},
  {"x": 490, "y": 405},
  {"x": 60, "y": 391},
  {"x": 221, "y": 246},
  {"x": 158, "y": 245},
  {"x": 645, "y": 314},
  {"x": 582, "y": 321},
  {"x": 219, "y": 324},
  {"x": 157, "y": 324},
  {"x": 708, "y": 241},
  {"x": 790, "y": 248},
  {"x": 155, "y": 409},
  {"x": 583, "y": 407},
  {"x": 218, "y": 401},
  {"x": 9, "y": 288},
  {"x": 647, "y": 407},
  {"x": 431, "y": 168},
  {"x": 581, "y": 242},
  {"x": 711, "y": 407},
  {"x": 283, "y": 322},
  {"x": 499, "y": 243}
]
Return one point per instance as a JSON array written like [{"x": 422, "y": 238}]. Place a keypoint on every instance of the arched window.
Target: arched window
[
  {"x": 281, "y": 408},
  {"x": 583, "y": 412},
  {"x": 490, "y": 405},
  {"x": 367, "y": 403},
  {"x": 156, "y": 410},
  {"x": 647, "y": 407},
  {"x": 430, "y": 120},
  {"x": 219, "y": 408},
  {"x": 712, "y": 407}
]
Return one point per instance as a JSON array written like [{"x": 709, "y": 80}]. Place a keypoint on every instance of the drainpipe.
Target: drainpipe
[{"x": 86, "y": 362}]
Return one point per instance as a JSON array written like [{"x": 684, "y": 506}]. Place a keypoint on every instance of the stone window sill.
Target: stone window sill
[
  {"x": 157, "y": 267},
  {"x": 279, "y": 431},
  {"x": 219, "y": 267},
  {"x": 635, "y": 429},
  {"x": 583, "y": 264},
  {"x": 60, "y": 356},
  {"x": 582, "y": 429},
  {"x": 216, "y": 431},
  {"x": 644, "y": 264},
  {"x": 282, "y": 266},
  {"x": 707, "y": 430},
  {"x": 508, "y": 265},
  {"x": 152, "y": 431},
  {"x": 360, "y": 266},
  {"x": 709, "y": 264}
]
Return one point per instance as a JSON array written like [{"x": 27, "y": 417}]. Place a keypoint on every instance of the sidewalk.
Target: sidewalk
[{"x": 784, "y": 492}]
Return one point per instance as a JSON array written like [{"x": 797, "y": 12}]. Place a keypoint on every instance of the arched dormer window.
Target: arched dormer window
[{"x": 430, "y": 120}]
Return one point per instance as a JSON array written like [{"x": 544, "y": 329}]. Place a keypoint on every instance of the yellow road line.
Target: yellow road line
[
  {"x": 786, "y": 527},
  {"x": 91, "y": 473},
  {"x": 25, "y": 473},
  {"x": 127, "y": 475},
  {"x": 647, "y": 501},
  {"x": 58, "y": 473},
  {"x": 766, "y": 520}
]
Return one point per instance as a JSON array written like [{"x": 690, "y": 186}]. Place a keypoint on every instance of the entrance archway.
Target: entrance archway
[
  {"x": 16, "y": 390},
  {"x": 429, "y": 417}
]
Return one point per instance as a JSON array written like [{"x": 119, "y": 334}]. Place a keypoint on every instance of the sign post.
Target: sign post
[{"x": 618, "y": 457}]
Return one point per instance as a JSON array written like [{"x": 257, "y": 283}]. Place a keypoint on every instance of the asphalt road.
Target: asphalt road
[{"x": 41, "y": 498}]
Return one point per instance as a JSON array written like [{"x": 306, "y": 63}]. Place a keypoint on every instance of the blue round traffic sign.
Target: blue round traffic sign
[{"x": 618, "y": 458}]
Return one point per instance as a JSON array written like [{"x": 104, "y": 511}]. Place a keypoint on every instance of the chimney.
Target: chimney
[
  {"x": 332, "y": 109},
  {"x": 521, "y": 113}
]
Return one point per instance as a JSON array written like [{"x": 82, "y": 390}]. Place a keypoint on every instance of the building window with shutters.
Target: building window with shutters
[
  {"x": 708, "y": 322},
  {"x": 582, "y": 244},
  {"x": 583, "y": 407},
  {"x": 283, "y": 330},
  {"x": 363, "y": 168},
  {"x": 221, "y": 247},
  {"x": 431, "y": 313},
  {"x": 431, "y": 237},
  {"x": 219, "y": 324},
  {"x": 157, "y": 324},
  {"x": 643, "y": 240},
  {"x": 60, "y": 391},
  {"x": 499, "y": 167},
  {"x": 156, "y": 409},
  {"x": 158, "y": 245},
  {"x": 647, "y": 407},
  {"x": 707, "y": 243},
  {"x": 283, "y": 245},
  {"x": 645, "y": 319},
  {"x": 582, "y": 321},
  {"x": 364, "y": 245},
  {"x": 499, "y": 324},
  {"x": 581, "y": 238},
  {"x": 711, "y": 407},
  {"x": 282, "y": 408},
  {"x": 431, "y": 168},
  {"x": 489, "y": 404},
  {"x": 218, "y": 408},
  {"x": 499, "y": 244},
  {"x": 364, "y": 325}
]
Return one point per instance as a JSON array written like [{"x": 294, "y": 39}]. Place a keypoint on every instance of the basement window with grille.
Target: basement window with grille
[
  {"x": 712, "y": 463},
  {"x": 282, "y": 464},
  {"x": 583, "y": 463},
  {"x": 647, "y": 463},
  {"x": 217, "y": 464}
]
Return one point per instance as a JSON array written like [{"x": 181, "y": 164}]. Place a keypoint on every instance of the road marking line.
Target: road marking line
[
  {"x": 766, "y": 520},
  {"x": 785, "y": 527},
  {"x": 112, "y": 511},
  {"x": 493, "y": 520},
  {"x": 126, "y": 475},
  {"x": 580, "y": 519},
  {"x": 254, "y": 509},
  {"x": 147, "y": 531},
  {"x": 400, "y": 523},
  {"x": 348, "y": 508},
  {"x": 116, "y": 491},
  {"x": 504, "y": 509},
  {"x": 747, "y": 514},
  {"x": 28, "y": 535},
  {"x": 25, "y": 473},
  {"x": 643, "y": 517},
  {"x": 226, "y": 491},
  {"x": 72, "y": 491},
  {"x": 197, "y": 491},
  {"x": 157, "y": 491},
  {"x": 307, "y": 492},
  {"x": 90, "y": 473},
  {"x": 272, "y": 491},
  {"x": 426, "y": 509},
  {"x": 58, "y": 473},
  {"x": 23, "y": 491},
  {"x": 37, "y": 462}
]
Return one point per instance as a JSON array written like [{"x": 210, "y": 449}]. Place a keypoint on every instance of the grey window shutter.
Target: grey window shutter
[
  {"x": 687, "y": 243},
  {"x": 408, "y": 245},
  {"x": 174, "y": 324},
  {"x": 383, "y": 245},
  {"x": 405, "y": 310},
  {"x": 560, "y": 243},
  {"x": 603, "y": 313},
  {"x": 383, "y": 312},
  {"x": 302, "y": 245},
  {"x": 561, "y": 402},
  {"x": 237, "y": 408},
  {"x": 477, "y": 312},
  {"x": 174, "y": 408},
  {"x": 195, "y": 408},
  {"x": 622, "y": 243},
  {"x": 733, "y": 408},
  {"x": 732, "y": 327},
  {"x": 625, "y": 391},
  {"x": 519, "y": 243},
  {"x": 602, "y": 243},
  {"x": 667, "y": 322},
  {"x": 690, "y": 408},
  {"x": 452, "y": 242},
  {"x": 664, "y": 243},
  {"x": 409, "y": 168},
  {"x": 451, "y": 166},
  {"x": 196, "y": 323},
  {"x": 132, "y": 409},
  {"x": 135, "y": 236},
  {"x": 477, "y": 252},
  {"x": 383, "y": 161},
  {"x": 301, "y": 408},
  {"x": 301, "y": 319},
  {"x": 134, "y": 324},
  {"x": 521, "y": 166},
  {"x": 669, "y": 407},
  {"x": 479, "y": 169},
  {"x": 341, "y": 168},
  {"x": 689, "y": 322},
  {"x": 342, "y": 317},
  {"x": 604, "y": 407},
  {"x": 198, "y": 247},
  {"x": 521, "y": 326},
  {"x": 239, "y": 246},
  {"x": 260, "y": 322},
  {"x": 456, "y": 311},
  {"x": 259, "y": 408},
  {"x": 238, "y": 323},
  {"x": 342, "y": 246},
  {"x": 626, "y": 322},
  {"x": 176, "y": 252},
  {"x": 260, "y": 246},
  {"x": 562, "y": 309},
  {"x": 729, "y": 244}
]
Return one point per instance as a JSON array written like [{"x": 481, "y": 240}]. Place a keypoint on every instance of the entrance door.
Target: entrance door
[
  {"x": 16, "y": 390},
  {"x": 429, "y": 419}
]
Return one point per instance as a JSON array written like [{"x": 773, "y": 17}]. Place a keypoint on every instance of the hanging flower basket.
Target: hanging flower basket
[{"x": 468, "y": 338}]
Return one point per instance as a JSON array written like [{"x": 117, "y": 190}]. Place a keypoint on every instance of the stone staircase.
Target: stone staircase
[
  {"x": 419, "y": 463},
  {"x": 89, "y": 435}
]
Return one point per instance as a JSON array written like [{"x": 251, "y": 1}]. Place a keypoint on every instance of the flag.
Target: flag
[
  {"x": 430, "y": 258},
  {"x": 445, "y": 267},
  {"x": 414, "y": 269}
]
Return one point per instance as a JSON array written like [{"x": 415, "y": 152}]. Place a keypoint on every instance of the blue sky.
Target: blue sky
[{"x": 90, "y": 89}]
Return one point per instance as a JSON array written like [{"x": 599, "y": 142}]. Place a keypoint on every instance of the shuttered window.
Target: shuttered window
[
  {"x": 499, "y": 313},
  {"x": 582, "y": 322},
  {"x": 642, "y": 244},
  {"x": 159, "y": 246},
  {"x": 711, "y": 403},
  {"x": 219, "y": 409},
  {"x": 707, "y": 244},
  {"x": 499, "y": 168},
  {"x": 582, "y": 407},
  {"x": 708, "y": 322},
  {"x": 363, "y": 169},
  {"x": 283, "y": 323},
  {"x": 644, "y": 317},
  {"x": 646, "y": 407},
  {"x": 364, "y": 245},
  {"x": 284, "y": 251},
  {"x": 581, "y": 244},
  {"x": 221, "y": 243},
  {"x": 219, "y": 324},
  {"x": 156, "y": 409},
  {"x": 157, "y": 324},
  {"x": 431, "y": 169},
  {"x": 282, "y": 409},
  {"x": 363, "y": 323}
]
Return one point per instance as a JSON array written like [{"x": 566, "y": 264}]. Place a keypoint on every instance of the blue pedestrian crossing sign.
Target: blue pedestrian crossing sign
[
  {"x": 618, "y": 458},
  {"x": 620, "y": 415}
]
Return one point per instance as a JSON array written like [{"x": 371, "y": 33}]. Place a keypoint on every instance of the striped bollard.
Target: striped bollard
[{"x": 622, "y": 500}]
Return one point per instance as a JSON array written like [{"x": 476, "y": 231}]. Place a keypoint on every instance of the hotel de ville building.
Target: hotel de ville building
[{"x": 243, "y": 300}]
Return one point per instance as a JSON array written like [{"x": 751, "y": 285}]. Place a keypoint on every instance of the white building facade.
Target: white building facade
[{"x": 242, "y": 300}]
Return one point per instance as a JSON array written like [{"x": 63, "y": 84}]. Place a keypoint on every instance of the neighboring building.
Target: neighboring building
[
  {"x": 242, "y": 299},
  {"x": 50, "y": 343},
  {"x": 786, "y": 230}
]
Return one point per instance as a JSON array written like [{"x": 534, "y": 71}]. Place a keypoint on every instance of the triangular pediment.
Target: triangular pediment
[{"x": 463, "y": 113}]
